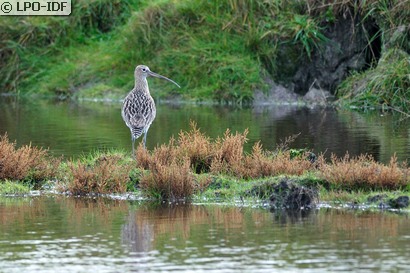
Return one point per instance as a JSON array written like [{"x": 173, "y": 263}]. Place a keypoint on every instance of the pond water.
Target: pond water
[
  {"x": 58, "y": 233},
  {"x": 61, "y": 234},
  {"x": 76, "y": 128}
]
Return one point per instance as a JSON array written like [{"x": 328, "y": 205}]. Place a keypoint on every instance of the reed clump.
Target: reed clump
[
  {"x": 106, "y": 174},
  {"x": 28, "y": 163},
  {"x": 363, "y": 172}
]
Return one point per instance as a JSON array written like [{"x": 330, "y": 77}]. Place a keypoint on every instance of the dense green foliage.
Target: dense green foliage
[{"x": 220, "y": 50}]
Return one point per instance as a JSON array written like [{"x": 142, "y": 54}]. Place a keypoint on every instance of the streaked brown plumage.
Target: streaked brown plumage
[{"x": 138, "y": 110}]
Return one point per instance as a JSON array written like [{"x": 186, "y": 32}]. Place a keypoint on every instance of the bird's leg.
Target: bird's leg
[
  {"x": 145, "y": 138},
  {"x": 133, "y": 150}
]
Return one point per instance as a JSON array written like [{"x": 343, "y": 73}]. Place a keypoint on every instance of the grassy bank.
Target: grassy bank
[
  {"x": 216, "y": 50},
  {"x": 386, "y": 85},
  {"x": 195, "y": 167}
]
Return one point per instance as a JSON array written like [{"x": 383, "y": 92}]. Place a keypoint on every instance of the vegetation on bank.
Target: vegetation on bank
[
  {"x": 218, "y": 50},
  {"x": 386, "y": 85},
  {"x": 196, "y": 166}
]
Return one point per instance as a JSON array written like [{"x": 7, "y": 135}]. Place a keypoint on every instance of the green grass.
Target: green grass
[
  {"x": 216, "y": 50},
  {"x": 8, "y": 187},
  {"x": 28, "y": 43},
  {"x": 224, "y": 188},
  {"x": 387, "y": 85}
]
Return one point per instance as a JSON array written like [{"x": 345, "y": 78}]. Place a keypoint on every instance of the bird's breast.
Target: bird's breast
[{"x": 138, "y": 106}]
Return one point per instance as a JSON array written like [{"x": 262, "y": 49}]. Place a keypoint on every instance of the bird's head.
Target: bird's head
[{"x": 143, "y": 71}]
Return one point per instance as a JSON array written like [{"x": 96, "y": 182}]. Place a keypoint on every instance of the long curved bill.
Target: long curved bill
[{"x": 162, "y": 77}]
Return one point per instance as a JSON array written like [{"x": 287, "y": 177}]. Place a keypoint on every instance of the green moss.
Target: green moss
[{"x": 224, "y": 188}]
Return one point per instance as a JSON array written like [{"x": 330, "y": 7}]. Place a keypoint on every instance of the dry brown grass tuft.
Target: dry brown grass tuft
[
  {"x": 173, "y": 165},
  {"x": 170, "y": 176},
  {"x": 27, "y": 162},
  {"x": 107, "y": 175},
  {"x": 229, "y": 153},
  {"x": 197, "y": 147},
  {"x": 364, "y": 172},
  {"x": 143, "y": 157},
  {"x": 261, "y": 164},
  {"x": 194, "y": 152},
  {"x": 172, "y": 181},
  {"x": 164, "y": 155},
  {"x": 283, "y": 163},
  {"x": 257, "y": 164}
]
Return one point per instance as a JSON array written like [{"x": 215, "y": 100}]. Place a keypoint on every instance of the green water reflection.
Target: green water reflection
[
  {"x": 73, "y": 129},
  {"x": 51, "y": 234}
]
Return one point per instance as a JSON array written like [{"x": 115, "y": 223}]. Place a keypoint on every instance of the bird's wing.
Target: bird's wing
[{"x": 138, "y": 112}]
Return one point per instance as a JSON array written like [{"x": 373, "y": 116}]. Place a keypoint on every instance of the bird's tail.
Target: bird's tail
[{"x": 137, "y": 132}]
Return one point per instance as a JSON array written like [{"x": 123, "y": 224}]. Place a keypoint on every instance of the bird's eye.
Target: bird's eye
[{"x": 144, "y": 70}]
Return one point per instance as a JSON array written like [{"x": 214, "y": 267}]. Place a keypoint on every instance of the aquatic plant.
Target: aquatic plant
[
  {"x": 194, "y": 152},
  {"x": 229, "y": 153}
]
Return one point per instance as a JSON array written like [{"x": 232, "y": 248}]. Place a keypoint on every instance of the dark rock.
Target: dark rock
[
  {"x": 276, "y": 94},
  {"x": 286, "y": 194},
  {"x": 312, "y": 157},
  {"x": 289, "y": 195},
  {"x": 318, "y": 96},
  {"x": 279, "y": 94},
  {"x": 383, "y": 205},
  {"x": 348, "y": 49},
  {"x": 399, "y": 202},
  {"x": 376, "y": 198}
]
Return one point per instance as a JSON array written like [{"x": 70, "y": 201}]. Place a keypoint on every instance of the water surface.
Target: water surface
[
  {"x": 60, "y": 234},
  {"x": 73, "y": 129}
]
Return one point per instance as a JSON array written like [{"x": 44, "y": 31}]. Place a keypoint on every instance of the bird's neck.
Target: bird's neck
[{"x": 141, "y": 85}]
